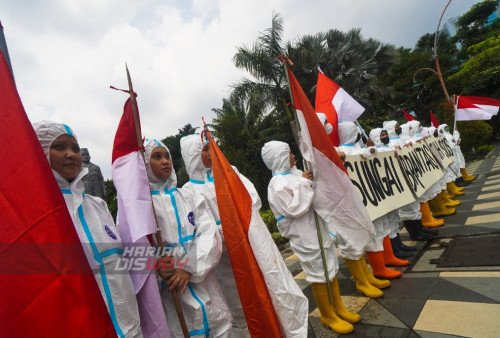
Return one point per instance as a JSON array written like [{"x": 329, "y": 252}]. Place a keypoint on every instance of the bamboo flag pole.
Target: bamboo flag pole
[
  {"x": 159, "y": 239},
  {"x": 296, "y": 129}
]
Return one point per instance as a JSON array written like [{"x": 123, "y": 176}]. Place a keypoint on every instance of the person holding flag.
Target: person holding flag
[
  {"x": 282, "y": 288},
  {"x": 94, "y": 225},
  {"x": 189, "y": 232},
  {"x": 196, "y": 158},
  {"x": 290, "y": 196}
]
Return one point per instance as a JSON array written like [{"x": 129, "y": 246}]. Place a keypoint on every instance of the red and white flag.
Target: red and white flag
[
  {"x": 335, "y": 197},
  {"x": 336, "y": 103},
  {"x": 469, "y": 108},
  {"x": 136, "y": 220},
  {"x": 273, "y": 304},
  {"x": 47, "y": 286}
]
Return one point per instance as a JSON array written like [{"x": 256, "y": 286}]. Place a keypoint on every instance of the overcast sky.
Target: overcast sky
[{"x": 65, "y": 54}]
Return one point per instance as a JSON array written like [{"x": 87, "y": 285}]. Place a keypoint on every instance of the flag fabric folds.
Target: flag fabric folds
[
  {"x": 408, "y": 117},
  {"x": 48, "y": 288},
  {"x": 273, "y": 304},
  {"x": 336, "y": 103},
  {"x": 335, "y": 198},
  {"x": 468, "y": 108},
  {"x": 434, "y": 121},
  {"x": 136, "y": 219}
]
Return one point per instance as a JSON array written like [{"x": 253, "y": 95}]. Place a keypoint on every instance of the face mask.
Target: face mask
[
  {"x": 436, "y": 133},
  {"x": 328, "y": 128},
  {"x": 358, "y": 138},
  {"x": 398, "y": 130},
  {"x": 385, "y": 140}
]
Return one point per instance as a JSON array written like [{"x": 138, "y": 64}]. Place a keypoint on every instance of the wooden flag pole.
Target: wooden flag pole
[
  {"x": 159, "y": 238},
  {"x": 296, "y": 129}
]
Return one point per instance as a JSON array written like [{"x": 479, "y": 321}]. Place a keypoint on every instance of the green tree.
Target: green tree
[
  {"x": 473, "y": 26},
  {"x": 111, "y": 197}
]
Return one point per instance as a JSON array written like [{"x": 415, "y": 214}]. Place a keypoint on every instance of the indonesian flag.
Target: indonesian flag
[
  {"x": 408, "y": 117},
  {"x": 136, "y": 219},
  {"x": 48, "y": 289},
  {"x": 434, "y": 121},
  {"x": 335, "y": 198},
  {"x": 273, "y": 304},
  {"x": 469, "y": 108},
  {"x": 336, "y": 103}
]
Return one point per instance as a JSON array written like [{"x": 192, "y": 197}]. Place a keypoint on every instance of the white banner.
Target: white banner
[{"x": 385, "y": 182}]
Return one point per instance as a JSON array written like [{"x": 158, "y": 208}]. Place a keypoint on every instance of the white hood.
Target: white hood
[
  {"x": 276, "y": 156},
  {"x": 191, "y": 148},
  {"x": 154, "y": 182}
]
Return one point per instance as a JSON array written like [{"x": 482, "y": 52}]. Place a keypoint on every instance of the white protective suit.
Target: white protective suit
[
  {"x": 410, "y": 211},
  {"x": 201, "y": 185},
  {"x": 99, "y": 237},
  {"x": 385, "y": 224},
  {"x": 348, "y": 133},
  {"x": 437, "y": 187},
  {"x": 187, "y": 225},
  {"x": 289, "y": 302},
  {"x": 394, "y": 139},
  {"x": 290, "y": 197},
  {"x": 453, "y": 170},
  {"x": 458, "y": 154}
]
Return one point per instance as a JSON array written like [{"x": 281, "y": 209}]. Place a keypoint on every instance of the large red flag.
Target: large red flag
[
  {"x": 335, "y": 197},
  {"x": 469, "y": 108},
  {"x": 48, "y": 289},
  {"x": 434, "y": 121},
  {"x": 235, "y": 208},
  {"x": 136, "y": 219},
  {"x": 336, "y": 103}
]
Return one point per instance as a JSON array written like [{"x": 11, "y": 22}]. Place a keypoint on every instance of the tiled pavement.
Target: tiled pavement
[{"x": 428, "y": 301}]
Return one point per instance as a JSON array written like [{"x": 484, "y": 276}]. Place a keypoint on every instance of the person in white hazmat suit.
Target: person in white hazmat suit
[
  {"x": 378, "y": 252},
  {"x": 442, "y": 204},
  {"x": 366, "y": 283},
  {"x": 463, "y": 170},
  {"x": 428, "y": 220},
  {"x": 188, "y": 227},
  {"x": 94, "y": 225},
  {"x": 381, "y": 140},
  {"x": 452, "y": 188},
  {"x": 201, "y": 185},
  {"x": 409, "y": 214},
  {"x": 290, "y": 196},
  {"x": 291, "y": 306}
]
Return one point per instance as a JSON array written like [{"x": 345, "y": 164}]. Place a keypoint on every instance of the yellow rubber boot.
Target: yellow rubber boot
[
  {"x": 362, "y": 283},
  {"x": 339, "y": 307},
  {"x": 448, "y": 202},
  {"x": 466, "y": 176},
  {"x": 438, "y": 208},
  {"x": 329, "y": 317},
  {"x": 427, "y": 220},
  {"x": 378, "y": 283},
  {"x": 452, "y": 187}
]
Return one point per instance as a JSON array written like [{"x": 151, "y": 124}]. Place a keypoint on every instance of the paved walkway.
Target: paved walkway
[{"x": 428, "y": 301}]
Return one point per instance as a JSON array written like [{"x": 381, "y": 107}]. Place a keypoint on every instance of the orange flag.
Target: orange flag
[{"x": 235, "y": 208}]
